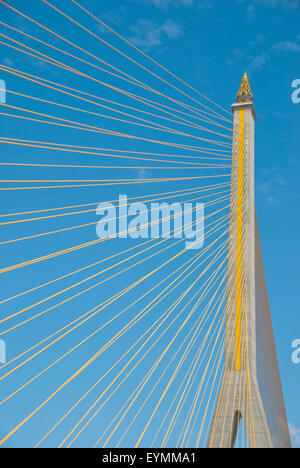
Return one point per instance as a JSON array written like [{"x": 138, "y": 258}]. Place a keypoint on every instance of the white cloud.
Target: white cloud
[
  {"x": 111, "y": 18},
  {"x": 165, "y": 3},
  {"x": 258, "y": 40},
  {"x": 295, "y": 435},
  {"x": 258, "y": 62},
  {"x": 270, "y": 184},
  {"x": 8, "y": 62},
  {"x": 114, "y": 17},
  {"x": 142, "y": 173},
  {"x": 250, "y": 13},
  {"x": 288, "y": 4},
  {"x": 148, "y": 35},
  {"x": 252, "y": 63},
  {"x": 287, "y": 46}
]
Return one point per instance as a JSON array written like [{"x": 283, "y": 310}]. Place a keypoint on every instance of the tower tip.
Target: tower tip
[{"x": 245, "y": 94}]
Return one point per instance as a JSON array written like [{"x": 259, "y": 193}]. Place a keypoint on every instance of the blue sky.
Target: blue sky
[{"x": 209, "y": 44}]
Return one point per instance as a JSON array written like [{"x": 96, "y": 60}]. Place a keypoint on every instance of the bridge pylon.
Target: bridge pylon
[{"x": 251, "y": 391}]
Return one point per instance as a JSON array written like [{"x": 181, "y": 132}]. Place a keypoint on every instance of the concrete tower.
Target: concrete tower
[{"x": 251, "y": 390}]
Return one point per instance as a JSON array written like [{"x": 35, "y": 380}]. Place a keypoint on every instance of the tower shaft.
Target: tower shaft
[{"x": 240, "y": 397}]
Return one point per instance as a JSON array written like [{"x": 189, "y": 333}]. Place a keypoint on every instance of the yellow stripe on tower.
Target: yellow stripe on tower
[{"x": 239, "y": 242}]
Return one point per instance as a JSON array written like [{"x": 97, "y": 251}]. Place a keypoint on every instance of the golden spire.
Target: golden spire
[{"x": 244, "y": 94}]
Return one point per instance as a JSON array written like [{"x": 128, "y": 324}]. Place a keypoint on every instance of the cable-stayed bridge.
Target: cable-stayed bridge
[{"x": 134, "y": 306}]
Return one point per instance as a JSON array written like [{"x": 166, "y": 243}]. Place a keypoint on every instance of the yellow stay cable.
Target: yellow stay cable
[
  {"x": 218, "y": 395},
  {"x": 188, "y": 350},
  {"x": 104, "y": 131},
  {"x": 212, "y": 389},
  {"x": 153, "y": 125},
  {"x": 177, "y": 102},
  {"x": 155, "y": 367},
  {"x": 148, "y": 57},
  {"x": 105, "y": 302},
  {"x": 117, "y": 295},
  {"x": 179, "y": 402},
  {"x": 227, "y": 401},
  {"x": 141, "y": 180},
  {"x": 188, "y": 347},
  {"x": 215, "y": 229},
  {"x": 63, "y": 385},
  {"x": 76, "y": 271},
  {"x": 242, "y": 381},
  {"x": 179, "y": 193},
  {"x": 163, "y": 294},
  {"x": 216, "y": 114},
  {"x": 76, "y": 57},
  {"x": 34, "y": 236},
  {"x": 219, "y": 327},
  {"x": 130, "y": 80},
  {"x": 238, "y": 289},
  {"x": 129, "y": 58},
  {"x": 228, "y": 299},
  {"x": 65, "y": 148},
  {"x": 222, "y": 391},
  {"x": 184, "y": 356},
  {"x": 138, "y": 389},
  {"x": 229, "y": 296},
  {"x": 113, "y": 266},
  {"x": 190, "y": 370},
  {"x": 73, "y": 166},
  {"x": 193, "y": 261},
  {"x": 43, "y": 81},
  {"x": 119, "y": 90},
  {"x": 226, "y": 371},
  {"x": 62, "y": 252},
  {"x": 78, "y": 294},
  {"x": 188, "y": 385},
  {"x": 53, "y": 255},
  {"x": 173, "y": 321},
  {"x": 215, "y": 369}
]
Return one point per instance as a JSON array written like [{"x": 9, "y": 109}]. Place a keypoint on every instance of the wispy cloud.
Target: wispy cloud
[
  {"x": 257, "y": 41},
  {"x": 8, "y": 62},
  {"x": 149, "y": 35},
  {"x": 250, "y": 13},
  {"x": 288, "y": 4},
  {"x": 287, "y": 46},
  {"x": 270, "y": 184},
  {"x": 258, "y": 62},
  {"x": 295, "y": 435},
  {"x": 265, "y": 53},
  {"x": 142, "y": 173},
  {"x": 252, "y": 62},
  {"x": 165, "y": 3},
  {"x": 41, "y": 65},
  {"x": 114, "y": 17}
]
